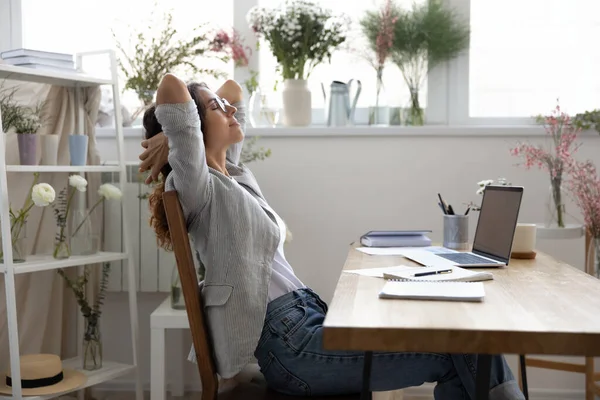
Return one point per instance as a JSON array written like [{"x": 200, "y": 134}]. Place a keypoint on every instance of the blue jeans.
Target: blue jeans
[{"x": 291, "y": 356}]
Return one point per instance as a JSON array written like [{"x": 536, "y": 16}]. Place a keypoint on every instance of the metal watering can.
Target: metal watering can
[{"x": 338, "y": 110}]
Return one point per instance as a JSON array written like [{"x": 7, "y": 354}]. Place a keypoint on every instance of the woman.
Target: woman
[{"x": 255, "y": 304}]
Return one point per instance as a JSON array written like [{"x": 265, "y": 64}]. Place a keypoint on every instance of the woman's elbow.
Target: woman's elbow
[{"x": 171, "y": 90}]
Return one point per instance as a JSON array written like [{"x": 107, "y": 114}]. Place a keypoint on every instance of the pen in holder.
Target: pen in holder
[{"x": 456, "y": 232}]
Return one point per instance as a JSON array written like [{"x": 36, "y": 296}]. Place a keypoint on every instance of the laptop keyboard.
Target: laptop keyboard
[{"x": 464, "y": 258}]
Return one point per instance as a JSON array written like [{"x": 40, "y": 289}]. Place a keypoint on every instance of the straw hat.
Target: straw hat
[{"x": 43, "y": 374}]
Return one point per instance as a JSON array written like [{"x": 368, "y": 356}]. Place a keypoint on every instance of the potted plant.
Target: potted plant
[
  {"x": 152, "y": 56},
  {"x": 26, "y": 126},
  {"x": 301, "y": 35},
  {"x": 424, "y": 37}
]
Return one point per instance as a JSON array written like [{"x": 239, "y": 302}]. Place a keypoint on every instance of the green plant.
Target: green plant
[
  {"x": 300, "y": 34},
  {"x": 251, "y": 83},
  {"x": 587, "y": 120},
  {"x": 29, "y": 120},
  {"x": 91, "y": 312},
  {"x": 250, "y": 153},
  {"x": 424, "y": 37},
  {"x": 11, "y": 111},
  {"x": 153, "y": 56}
]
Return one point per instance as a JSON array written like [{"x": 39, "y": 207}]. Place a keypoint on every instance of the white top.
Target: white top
[{"x": 283, "y": 279}]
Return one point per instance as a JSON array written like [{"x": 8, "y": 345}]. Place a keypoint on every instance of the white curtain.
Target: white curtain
[{"x": 46, "y": 310}]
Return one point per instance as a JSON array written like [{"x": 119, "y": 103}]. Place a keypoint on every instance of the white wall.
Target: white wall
[{"x": 331, "y": 189}]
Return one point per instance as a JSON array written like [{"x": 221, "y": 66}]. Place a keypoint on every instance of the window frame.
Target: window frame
[{"x": 447, "y": 89}]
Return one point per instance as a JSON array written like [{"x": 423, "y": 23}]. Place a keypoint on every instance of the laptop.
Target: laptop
[{"x": 493, "y": 236}]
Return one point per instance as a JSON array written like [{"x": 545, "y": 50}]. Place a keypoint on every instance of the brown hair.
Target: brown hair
[{"x": 158, "y": 217}]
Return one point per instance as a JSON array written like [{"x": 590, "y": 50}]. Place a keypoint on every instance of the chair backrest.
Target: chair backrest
[{"x": 191, "y": 295}]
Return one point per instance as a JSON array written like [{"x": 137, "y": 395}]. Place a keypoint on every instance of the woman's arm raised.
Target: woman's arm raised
[
  {"x": 178, "y": 115},
  {"x": 232, "y": 92}
]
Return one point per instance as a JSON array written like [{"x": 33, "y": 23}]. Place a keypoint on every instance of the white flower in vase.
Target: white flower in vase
[
  {"x": 78, "y": 182},
  {"x": 109, "y": 192},
  {"x": 42, "y": 194}
]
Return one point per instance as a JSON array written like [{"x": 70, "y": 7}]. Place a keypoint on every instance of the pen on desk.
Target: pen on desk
[{"x": 444, "y": 271}]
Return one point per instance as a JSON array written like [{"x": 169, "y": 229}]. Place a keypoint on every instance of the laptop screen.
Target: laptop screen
[{"x": 497, "y": 221}]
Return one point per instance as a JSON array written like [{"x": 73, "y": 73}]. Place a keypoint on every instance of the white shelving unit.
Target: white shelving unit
[{"x": 76, "y": 80}]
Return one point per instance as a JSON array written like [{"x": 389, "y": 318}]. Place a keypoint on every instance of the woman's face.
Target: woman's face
[{"x": 221, "y": 128}]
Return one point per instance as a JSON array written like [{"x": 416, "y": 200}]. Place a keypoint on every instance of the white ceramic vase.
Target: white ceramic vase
[
  {"x": 49, "y": 149},
  {"x": 297, "y": 103}
]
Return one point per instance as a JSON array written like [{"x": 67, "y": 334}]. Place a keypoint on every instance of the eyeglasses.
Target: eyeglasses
[{"x": 223, "y": 104}]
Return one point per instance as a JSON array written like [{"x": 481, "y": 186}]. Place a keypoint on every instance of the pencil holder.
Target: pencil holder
[{"x": 456, "y": 232}]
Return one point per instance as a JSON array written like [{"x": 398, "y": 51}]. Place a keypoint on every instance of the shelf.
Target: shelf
[
  {"x": 63, "y": 168},
  {"x": 71, "y": 79},
  {"x": 570, "y": 231},
  {"x": 110, "y": 370},
  {"x": 43, "y": 263}
]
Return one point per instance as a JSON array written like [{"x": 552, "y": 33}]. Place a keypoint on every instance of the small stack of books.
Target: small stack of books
[
  {"x": 395, "y": 239},
  {"x": 38, "y": 59}
]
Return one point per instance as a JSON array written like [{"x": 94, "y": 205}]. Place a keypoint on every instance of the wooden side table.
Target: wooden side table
[{"x": 592, "y": 387}]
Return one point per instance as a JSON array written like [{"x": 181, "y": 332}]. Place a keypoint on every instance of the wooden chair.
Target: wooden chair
[
  {"x": 254, "y": 387},
  {"x": 592, "y": 388}
]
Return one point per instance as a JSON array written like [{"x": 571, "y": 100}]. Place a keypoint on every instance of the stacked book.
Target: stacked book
[
  {"x": 395, "y": 239},
  {"x": 38, "y": 59}
]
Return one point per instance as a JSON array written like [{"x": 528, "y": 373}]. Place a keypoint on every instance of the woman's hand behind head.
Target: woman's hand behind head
[{"x": 155, "y": 157}]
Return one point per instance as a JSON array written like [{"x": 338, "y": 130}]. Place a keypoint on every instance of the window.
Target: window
[
  {"x": 48, "y": 26},
  {"x": 347, "y": 63},
  {"x": 526, "y": 54}
]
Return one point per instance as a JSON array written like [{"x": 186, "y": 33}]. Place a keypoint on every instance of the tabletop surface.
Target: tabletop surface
[{"x": 540, "y": 306}]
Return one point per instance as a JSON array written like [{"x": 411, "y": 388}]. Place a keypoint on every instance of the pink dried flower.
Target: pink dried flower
[
  {"x": 562, "y": 133},
  {"x": 385, "y": 37},
  {"x": 233, "y": 45},
  {"x": 583, "y": 185}
]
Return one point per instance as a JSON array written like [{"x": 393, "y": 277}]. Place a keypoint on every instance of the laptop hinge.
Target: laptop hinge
[{"x": 488, "y": 255}]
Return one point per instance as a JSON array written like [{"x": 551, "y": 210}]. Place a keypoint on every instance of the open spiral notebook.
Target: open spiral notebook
[
  {"x": 454, "y": 283},
  {"x": 428, "y": 290}
]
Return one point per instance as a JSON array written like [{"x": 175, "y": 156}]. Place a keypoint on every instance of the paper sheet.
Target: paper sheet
[
  {"x": 378, "y": 272},
  {"x": 400, "y": 251}
]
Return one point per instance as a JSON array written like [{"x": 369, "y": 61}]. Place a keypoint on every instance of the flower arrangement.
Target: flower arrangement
[
  {"x": 301, "y": 35},
  {"x": 29, "y": 121},
  {"x": 378, "y": 28},
  {"x": 482, "y": 184},
  {"x": 152, "y": 55},
  {"x": 424, "y": 37},
  {"x": 583, "y": 184},
  {"x": 562, "y": 134},
  {"x": 233, "y": 45},
  {"x": 40, "y": 195},
  {"x": 92, "y": 344}
]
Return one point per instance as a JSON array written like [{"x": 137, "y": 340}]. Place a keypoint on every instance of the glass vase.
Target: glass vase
[
  {"x": 555, "y": 205},
  {"x": 379, "y": 113},
  {"x": 254, "y": 108},
  {"x": 414, "y": 114},
  {"x": 61, "y": 244},
  {"x": 177, "y": 301},
  {"x": 595, "y": 252},
  {"x": 92, "y": 344},
  {"x": 81, "y": 237},
  {"x": 17, "y": 241}
]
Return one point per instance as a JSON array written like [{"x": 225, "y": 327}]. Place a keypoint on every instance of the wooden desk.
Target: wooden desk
[{"x": 539, "y": 306}]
